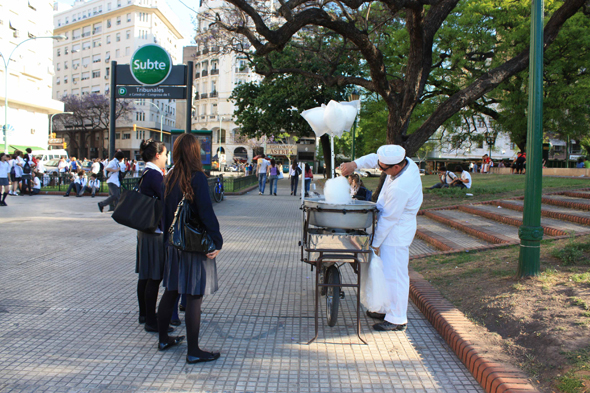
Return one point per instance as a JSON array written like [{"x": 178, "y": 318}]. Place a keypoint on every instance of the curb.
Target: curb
[
  {"x": 245, "y": 190},
  {"x": 455, "y": 328}
]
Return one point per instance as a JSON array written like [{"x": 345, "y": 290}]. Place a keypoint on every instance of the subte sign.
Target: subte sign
[{"x": 150, "y": 65}]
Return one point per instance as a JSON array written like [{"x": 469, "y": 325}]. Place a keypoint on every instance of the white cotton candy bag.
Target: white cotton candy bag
[
  {"x": 337, "y": 191},
  {"x": 373, "y": 286}
]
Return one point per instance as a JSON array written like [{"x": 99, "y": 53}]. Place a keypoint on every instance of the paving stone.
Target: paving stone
[{"x": 69, "y": 314}]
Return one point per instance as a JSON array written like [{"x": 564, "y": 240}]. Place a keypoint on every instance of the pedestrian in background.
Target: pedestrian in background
[
  {"x": 262, "y": 168},
  {"x": 115, "y": 166},
  {"x": 16, "y": 171},
  {"x": 273, "y": 172},
  {"x": 193, "y": 274},
  {"x": 308, "y": 179},
  {"x": 4, "y": 183},
  {"x": 294, "y": 173}
]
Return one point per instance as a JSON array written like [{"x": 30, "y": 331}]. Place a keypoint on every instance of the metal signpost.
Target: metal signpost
[
  {"x": 531, "y": 232},
  {"x": 150, "y": 75}
]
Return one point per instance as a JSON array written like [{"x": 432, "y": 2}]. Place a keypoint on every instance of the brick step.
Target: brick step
[
  {"x": 479, "y": 227},
  {"x": 557, "y": 212},
  {"x": 566, "y": 201},
  {"x": 446, "y": 238},
  {"x": 421, "y": 247},
  {"x": 577, "y": 194},
  {"x": 514, "y": 219}
]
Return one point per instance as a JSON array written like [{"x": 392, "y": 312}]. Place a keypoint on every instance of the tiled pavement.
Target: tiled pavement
[{"x": 69, "y": 322}]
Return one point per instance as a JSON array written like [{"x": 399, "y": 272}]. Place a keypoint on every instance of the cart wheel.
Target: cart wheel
[{"x": 332, "y": 295}]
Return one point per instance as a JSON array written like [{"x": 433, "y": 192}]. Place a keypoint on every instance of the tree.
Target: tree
[
  {"x": 91, "y": 116},
  {"x": 360, "y": 31}
]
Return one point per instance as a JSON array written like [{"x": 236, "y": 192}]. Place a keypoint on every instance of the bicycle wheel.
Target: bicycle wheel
[
  {"x": 217, "y": 193},
  {"x": 332, "y": 295}
]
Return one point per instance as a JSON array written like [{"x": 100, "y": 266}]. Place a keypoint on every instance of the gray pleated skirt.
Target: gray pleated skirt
[
  {"x": 150, "y": 256},
  {"x": 189, "y": 273}
]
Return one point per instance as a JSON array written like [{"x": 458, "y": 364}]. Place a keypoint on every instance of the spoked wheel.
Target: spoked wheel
[
  {"x": 218, "y": 194},
  {"x": 332, "y": 294}
]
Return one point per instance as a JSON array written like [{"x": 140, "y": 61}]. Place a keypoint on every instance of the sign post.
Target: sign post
[{"x": 150, "y": 75}]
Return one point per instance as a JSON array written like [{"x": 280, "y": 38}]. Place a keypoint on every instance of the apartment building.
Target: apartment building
[
  {"x": 98, "y": 32},
  {"x": 30, "y": 73}
]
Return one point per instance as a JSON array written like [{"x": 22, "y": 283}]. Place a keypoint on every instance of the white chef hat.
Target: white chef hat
[{"x": 391, "y": 154}]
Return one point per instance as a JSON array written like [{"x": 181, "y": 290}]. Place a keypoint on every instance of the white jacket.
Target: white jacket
[{"x": 398, "y": 203}]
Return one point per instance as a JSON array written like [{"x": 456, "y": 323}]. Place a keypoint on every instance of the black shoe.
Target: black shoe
[
  {"x": 375, "y": 315},
  {"x": 149, "y": 328},
  {"x": 92, "y": 195},
  {"x": 141, "y": 320},
  {"x": 78, "y": 196},
  {"x": 389, "y": 327},
  {"x": 172, "y": 341},
  {"x": 100, "y": 207},
  {"x": 207, "y": 357},
  {"x": 182, "y": 308},
  {"x": 66, "y": 195},
  {"x": 111, "y": 210},
  {"x": 3, "y": 204},
  {"x": 175, "y": 322},
  {"x": 275, "y": 194}
]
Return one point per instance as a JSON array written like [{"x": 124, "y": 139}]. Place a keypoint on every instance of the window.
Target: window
[
  {"x": 75, "y": 48},
  {"x": 100, "y": 9},
  {"x": 213, "y": 86},
  {"x": 140, "y": 116},
  {"x": 96, "y": 43},
  {"x": 107, "y": 71},
  {"x": 96, "y": 58},
  {"x": 117, "y": 53},
  {"x": 128, "y": 34},
  {"x": 57, "y": 97},
  {"x": 57, "y": 81},
  {"x": 118, "y": 3},
  {"x": 75, "y": 78},
  {"x": 128, "y": 17},
  {"x": 67, "y": 21},
  {"x": 481, "y": 123},
  {"x": 58, "y": 22},
  {"x": 85, "y": 90},
  {"x": 58, "y": 67},
  {"x": 58, "y": 54},
  {"x": 76, "y": 34},
  {"x": 127, "y": 51},
  {"x": 97, "y": 28},
  {"x": 95, "y": 74},
  {"x": 85, "y": 61},
  {"x": 117, "y": 135},
  {"x": 118, "y": 37},
  {"x": 66, "y": 80},
  {"x": 512, "y": 146},
  {"x": 65, "y": 65},
  {"x": 106, "y": 88},
  {"x": 66, "y": 50},
  {"x": 107, "y": 56},
  {"x": 75, "y": 64},
  {"x": 108, "y": 39},
  {"x": 214, "y": 109},
  {"x": 108, "y": 6},
  {"x": 126, "y": 136},
  {"x": 118, "y": 20},
  {"x": 95, "y": 89},
  {"x": 86, "y": 45},
  {"x": 75, "y": 92},
  {"x": 85, "y": 76},
  {"x": 108, "y": 23},
  {"x": 86, "y": 31}
]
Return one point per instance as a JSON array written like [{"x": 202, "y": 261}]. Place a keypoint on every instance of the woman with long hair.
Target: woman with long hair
[
  {"x": 193, "y": 274},
  {"x": 308, "y": 179},
  {"x": 274, "y": 176},
  {"x": 294, "y": 173},
  {"x": 150, "y": 246}
]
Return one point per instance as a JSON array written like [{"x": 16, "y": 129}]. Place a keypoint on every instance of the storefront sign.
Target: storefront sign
[
  {"x": 55, "y": 141},
  {"x": 281, "y": 150}
]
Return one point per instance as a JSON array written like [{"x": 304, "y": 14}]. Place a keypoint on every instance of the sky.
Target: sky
[{"x": 182, "y": 13}]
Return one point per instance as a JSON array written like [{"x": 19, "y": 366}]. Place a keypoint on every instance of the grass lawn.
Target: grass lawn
[
  {"x": 541, "y": 324},
  {"x": 485, "y": 188}
]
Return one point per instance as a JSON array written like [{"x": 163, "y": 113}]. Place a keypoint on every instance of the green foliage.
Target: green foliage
[{"x": 573, "y": 253}]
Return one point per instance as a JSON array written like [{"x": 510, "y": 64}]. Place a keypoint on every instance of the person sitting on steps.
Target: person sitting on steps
[{"x": 78, "y": 184}]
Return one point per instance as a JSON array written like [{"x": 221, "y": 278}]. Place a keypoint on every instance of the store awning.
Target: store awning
[{"x": 12, "y": 148}]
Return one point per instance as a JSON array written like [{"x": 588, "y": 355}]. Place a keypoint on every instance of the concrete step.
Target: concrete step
[
  {"x": 557, "y": 212},
  {"x": 482, "y": 228},
  {"x": 444, "y": 237},
  {"x": 567, "y": 201},
  {"x": 551, "y": 227}
]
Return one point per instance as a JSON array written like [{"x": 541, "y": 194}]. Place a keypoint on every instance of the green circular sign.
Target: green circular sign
[
  {"x": 122, "y": 91},
  {"x": 150, "y": 65}
]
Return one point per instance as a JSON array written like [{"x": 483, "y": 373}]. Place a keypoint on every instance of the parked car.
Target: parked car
[{"x": 51, "y": 166}]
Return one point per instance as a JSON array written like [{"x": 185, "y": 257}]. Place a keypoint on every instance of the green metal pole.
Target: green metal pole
[
  {"x": 353, "y": 132},
  {"x": 531, "y": 232}
]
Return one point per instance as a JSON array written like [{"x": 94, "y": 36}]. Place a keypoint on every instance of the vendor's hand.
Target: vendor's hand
[
  {"x": 377, "y": 251},
  {"x": 213, "y": 254},
  {"x": 347, "y": 168}
]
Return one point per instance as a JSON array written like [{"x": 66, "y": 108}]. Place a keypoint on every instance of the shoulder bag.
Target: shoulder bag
[
  {"x": 138, "y": 211},
  {"x": 187, "y": 233}
]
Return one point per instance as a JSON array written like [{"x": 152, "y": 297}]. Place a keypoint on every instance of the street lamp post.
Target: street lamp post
[
  {"x": 6, "y": 64},
  {"x": 491, "y": 141},
  {"x": 51, "y": 120},
  {"x": 161, "y": 118},
  {"x": 353, "y": 97}
]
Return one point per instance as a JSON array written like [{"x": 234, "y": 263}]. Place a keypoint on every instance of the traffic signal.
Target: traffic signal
[
  {"x": 135, "y": 127},
  {"x": 53, "y": 135},
  {"x": 65, "y": 145}
]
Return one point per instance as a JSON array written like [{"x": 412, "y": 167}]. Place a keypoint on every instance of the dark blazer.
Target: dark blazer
[
  {"x": 361, "y": 194},
  {"x": 201, "y": 206},
  {"x": 152, "y": 186}
]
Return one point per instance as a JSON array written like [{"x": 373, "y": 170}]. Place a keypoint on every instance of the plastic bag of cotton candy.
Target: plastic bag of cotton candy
[{"x": 337, "y": 191}]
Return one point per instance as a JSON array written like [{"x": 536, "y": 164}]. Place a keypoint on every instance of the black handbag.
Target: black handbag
[
  {"x": 138, "y": 211},
  {"x": 188, "y": 234}
]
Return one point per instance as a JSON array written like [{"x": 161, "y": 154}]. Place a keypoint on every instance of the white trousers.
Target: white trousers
[{"x": 395, "y": 269}]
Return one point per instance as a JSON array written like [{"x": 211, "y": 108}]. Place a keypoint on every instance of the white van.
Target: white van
[{"x": 46, "y": 155}]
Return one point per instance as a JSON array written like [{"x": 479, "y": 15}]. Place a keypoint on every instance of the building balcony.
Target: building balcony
[
  {"x": 215, "y": 71},
  {"x": 197, "y": 95},
  {"x": 204, "y": 73},
  {"x": 197, "y": 75},
  {"x": 213, "y": 94},
  {"x": 205, "y": 51},
  {"x": 242, "y": 70},
  {"x": 204, "y": 95}
]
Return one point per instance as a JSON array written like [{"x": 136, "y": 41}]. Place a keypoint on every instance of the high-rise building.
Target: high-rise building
[
  {"x": 30, "y": 73},
  {"x": 99, "y": 31}
]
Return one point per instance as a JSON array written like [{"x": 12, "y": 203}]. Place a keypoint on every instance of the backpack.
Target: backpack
[{"x": 27, "y": 166}]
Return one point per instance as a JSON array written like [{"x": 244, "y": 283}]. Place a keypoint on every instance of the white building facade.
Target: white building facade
[
  {"x": 30, "y": 73},
  {"x": 100, "y": 31}
]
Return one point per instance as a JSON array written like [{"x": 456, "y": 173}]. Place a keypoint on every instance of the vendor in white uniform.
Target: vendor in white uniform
[{"x": 399, "y": 201}]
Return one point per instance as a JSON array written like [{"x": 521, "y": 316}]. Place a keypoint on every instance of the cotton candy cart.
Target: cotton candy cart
[{"x": 334, "y": 236}]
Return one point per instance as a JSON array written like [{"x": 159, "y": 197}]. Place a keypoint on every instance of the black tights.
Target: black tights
[
  {"x": 192, "y": 319},
  {"x": 147, "y": 296}
]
